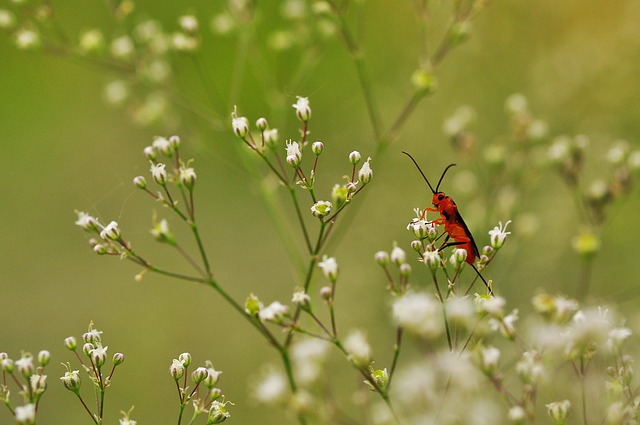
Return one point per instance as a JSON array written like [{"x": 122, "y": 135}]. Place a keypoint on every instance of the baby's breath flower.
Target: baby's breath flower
[
  {"x": 493, "y": 306},
  {"x": 516, "y": 104},
  {"x": 398, "y": 256},
  {"x": 558, "y": 411},
  {"x": 517, "y": 415},
  {"x": 118, "y": 359},
  {"x": 38, "y": 383},
  {"x": 150, "y": 153},
  {"x": 321, "y": 208},
  {"x": 162, "y": 233},
  {"x": 71, "y": 343},
  {"x": 366, "y": 173},
  {"x": 272, "y": 388},
  {"x": 317, "y": 148},
  {"x": 183, "y": 42},
  {"x": 329, "y": 267},
  {"x": 188, "y": 23},
  {"x": 274, "y": 312},
  {"x": 122, "y": 47},
  {"x": 418, "y": 313},
  {"x": 339, "y": 194},
  {"x": 213, "y": 377},
  {"x": 508, "y": 325},
  {"x": 91, "y": 41},
  {"x": 301, "y": 298},
  {"x": 25, "y": 365},
  {"x": 87, "y": 348},
  {"x": 419, "y": 227},
  {"x": 7, "y": 365},
  {"x": 382, "y": 258},
  {"x": 111, "y": 232},
  {"x": 25, "y": 415},
  {"x": 354, "y": 157},
  {"x": 326, "y": 293},
  {"x": 459, "y": 256},
  {"x": 199, "y": 375},
  {"x": 252, "y": 305},
  {"x": 86, "y": 221},
  {"x": 176, "y": 370},
  {"x": 262, "y": 124},
  {"x": 99, "y": 356},
  {"x": 488, "y": 357},
  {"x": 617, "y": 336},
  {"x": 162, "y": 145},
  {"x": 159, "y": 173},
  {"x": 460, "y": 311},
  {"x": 7, "y": 19},
  {"x": 222, "y": 23},
  {"x": 240, "y": 125},
  {"x": 417, "y": 245},
  {"x": 71, "y": 380},
  {"x": 140, "y": 182},
  {"x": 27, "y": 39},
  {"x": 529, "y": 368},
  {"x": 586, "y": 244},
  {"x": 187, "y": 177},
  {"x": 294, "y": 154},
  {"x": 358, "y": 348},
  {"x": 217, "y": 413},
  {"x": 44, "y": 356},
  {"x": 499, "y": 235},
  {"x": 303, "y": 110},
  {"x": 432, "y": 259},
  {"x": 185, "y": 358},
  {"x": 424, "y": 81}
]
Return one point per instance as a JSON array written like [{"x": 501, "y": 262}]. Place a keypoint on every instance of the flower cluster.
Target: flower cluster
[
  {"x": 28, "y": 374},
  {"x": 209, "y": 400},
  {"x": 92, "y": 358}
]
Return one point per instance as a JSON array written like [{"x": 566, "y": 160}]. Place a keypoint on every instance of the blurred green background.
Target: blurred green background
[{"x": 64, "y": 148}]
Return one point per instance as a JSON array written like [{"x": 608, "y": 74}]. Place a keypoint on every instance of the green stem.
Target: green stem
[
  {"x": 86, "y": 408},
  {"x": 396, "y": 354}
]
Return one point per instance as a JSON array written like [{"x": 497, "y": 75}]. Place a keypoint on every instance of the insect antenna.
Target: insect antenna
[
  {"x": 442, "y": 177},
  {"x": 423, "y": 176}
]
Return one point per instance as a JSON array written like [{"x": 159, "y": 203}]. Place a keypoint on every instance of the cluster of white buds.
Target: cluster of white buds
[{"x": 31, "y": 381}]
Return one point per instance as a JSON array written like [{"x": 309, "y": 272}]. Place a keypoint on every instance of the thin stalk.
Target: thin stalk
[{"x": 396, "y": 354}]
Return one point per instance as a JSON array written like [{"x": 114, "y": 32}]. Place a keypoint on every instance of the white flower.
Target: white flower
[
  {"x": 617, "y": 336},
  {"x": 493, "y": 306},
  {"x": 240, "y": 125},
  {"x": 273, "y": 312},
  {"x": 431, "y": 259},
  {"x": 420, "y": 227},
  {"x": 294, "y": 155},
  {"x": 111, "y": 231},
  {"x": 329, "y": 267},
  {"x": 188, "y": 23},
  {"x": 26, "y": 414},
  {"x": 358, "y": 348},
  {"x": 162, "y": 145},
  {"x": 27, "y": 39},
  {"x": 366, "y": 173},
  {"x": 460, "y": 310},
  {"x": 116, "y": 92},
  {"x": 217, "y": 413},
  {"x": 122, "y": 47},
  {"x": 159, "y": 173},
  {"x": 25, "y": 365},
  {"x": 91, "y": 40},
  {"x": 499, "y": 234},
  {"x": 300, "y": 298},
  {"x": 86, "y": 221},
  {"x": 187, "y": 177},
  {"x": 308, "y": 356},
  {"x": 176, "y": 370},
  {"x": 559, "y": 411},
  {"x": 271, "y": 388},
  {"x": 489, "y": 359},
  {"x": 7, "y": 19},
  {"x": 529, "y": 367},
  {"x": 418, "y": 313},
  {"x": 398, "y": 256},
  {"x": 321, "y": 208},
  {"x": 38, "y": 383},
  {"x": 303, "y": 111}
]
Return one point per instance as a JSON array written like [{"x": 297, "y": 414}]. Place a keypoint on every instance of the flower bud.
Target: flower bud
[
  {"x": 71, "y": 380},
  {"x": 417, "y": 245},
  {"x": 424, "y": 81},
  {"x": 25, "y": 365},
  {"x": 325, "y": 293},
  {"x": 140, "y": 182},
  {"x": 358, "y": 348},
  {"x": 271, "y": 137},
  {"x": 118, "y": 359},
  {"x": 398, "y": 256},
  {"x": 489, "y": 357},
  {"x": 7, "y": 365},
  {"x": 98, "y": 356},
  {"x": 185, "y": 358},
  {"x": 162, "y": 233},
  {"x": 405, "y": 270},
  {"x": 44, "y": 357},
  {"x": 150, "y": 153},
  {"x": 174, "y": 141},
  {"x": 558, "y": 411},
  {"x": 87, "y": 348},
  {"x": 317, "y": 148},
  {"x": 262, "y": 124},
  {"x": 213, "y": 377},
  {"x": 25, "y": 415},
  {"x": 432, "y": 260},
  {"x": 382, "y": 258},
  {"x": 294, "y": 155},
  {"x": 199, "y": 375},
  {"x": 301, "y": 299},
  {"x": 381, "y": 377},
  {"x": 162, "y": 145},
  {"x": 100, "y": 249},
  {"x": 354, "y": 157}
]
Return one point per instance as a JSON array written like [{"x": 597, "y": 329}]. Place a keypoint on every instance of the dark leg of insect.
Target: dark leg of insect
[{"x": 446, "y": 245}]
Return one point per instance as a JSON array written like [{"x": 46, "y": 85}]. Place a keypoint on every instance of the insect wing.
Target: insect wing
[{"x": 467, "y": 232}]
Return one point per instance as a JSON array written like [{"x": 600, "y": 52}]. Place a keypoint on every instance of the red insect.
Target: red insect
[{"x": 450, "y": 218}]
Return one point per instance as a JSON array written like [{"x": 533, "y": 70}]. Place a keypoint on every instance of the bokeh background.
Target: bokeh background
[{"x": 64, "y": 148}]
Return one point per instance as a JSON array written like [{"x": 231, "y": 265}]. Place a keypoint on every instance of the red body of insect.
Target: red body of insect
[{"x": 454, "y": 225}]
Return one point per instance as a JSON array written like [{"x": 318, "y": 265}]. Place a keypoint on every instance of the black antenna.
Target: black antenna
[
  {"x": 443, "y": 173},
  {"x": 423, "y": 176}
]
